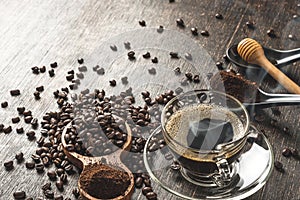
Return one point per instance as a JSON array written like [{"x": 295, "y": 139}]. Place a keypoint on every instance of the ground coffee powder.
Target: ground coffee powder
[
  {"x": 236, "y": 85},
  {"x": 104, "y": 182}
]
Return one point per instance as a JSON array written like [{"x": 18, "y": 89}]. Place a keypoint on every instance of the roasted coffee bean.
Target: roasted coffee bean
[
  {"x": 80, "y": 61},
  {"x": 30, "y": 135},
  {"x": 96, "y": 67},
  {"x": 36, "y": 158},
  {"x": 177, "y": 70},
  {"x": 7, "y": 130},
  {"x": 80, "y": 75},
  {"x": 19, "y": 157},
  {"x": 286, "y": 152},
  {"x": 21, "y": 110},
  {"x": 151, "y": 196},
  {"x": 51, "y": 72},
  {"x": 20, "y": 130},
  {"x": 146, "y": 190},
  {"x": 278, "y": 166},
  {"x": 35, "y": 70},
  {"x": 46, "y": 186},
  {"x": 219, "y": 16},
  {"x": 131, "y": 55},
  {"x": 271, "y": 33},
  {"x": 124, "y": 80},
  {"x": 69, "y": 169},
  {"x": 180, "y": 23},
  {"x": 225, "y": 57},
  {"x": 15, "y": 120},
  {"x": 49, "y": 194},
  {"x": 142, "y": 23},
  {"x": 53, "y": 65},
  {"x": 174, "y": 55},
  {"x": 286, "y": 130},
  {"x": 146, "y": 55},
  {"x": 194, "y": 31},
  {"x": 101, "y": 71},
  {"x": 34, "y": 122},
  {"x": 66, "y": 90},
  {"x": 60, "y": 171},
  {"x": 219, "y": 65},
  {"x": 59, "y": 197},
  {"x": 196, "y": 79},
  {"x": 127, "y": 45},
  {"x": 70, "y": 77},
  {"x": 40, "y": 89},
  {"x": 4, "y": 104},
  {"x": 30, "y": 165},
  {"x": 64, "y": 178},
  {"x": 76, "y": 192},
  {"x": 27, "y": 113},
  {"x": 19, "y": 195},
  {"x": 171, "y": 1},
  {"x": 138, "y": 182},
  {"x": 52, "y": 175},
  {"x": 189, "y": 76},
  {"x": 188, "y": 56},
  {"x": 71, "y": 72},
  {"x": 113, "y": 83},
  {"x": 250, "y": 24},
  {"x": 152, "y": 70},
  {"x": 160, "y": 29},
  {"x": 147, "y": 182},
  {"x": 29, "y": 198},
  {"x": 43, "y": 69},
  {"x": 36, "y": 95},
  {"x": 82, "y": 69},
  {"x": 39, "y": 168},
  {"x": 113, "y": 47},
  {"x": 28, "y": 119},
  {"x": 154, "y": 60},
  {"x": 204, "y": 33},
  {"x": 60, "y": 185},
  {"x": 9, "y": 165},
  {"x": 15, "y": 92}
]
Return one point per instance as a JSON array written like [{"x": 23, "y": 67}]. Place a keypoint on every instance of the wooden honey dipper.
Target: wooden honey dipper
[{"x": 252, "y": 52}]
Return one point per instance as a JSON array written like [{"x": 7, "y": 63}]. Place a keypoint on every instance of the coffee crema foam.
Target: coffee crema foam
[{"x": 177, "y": 126}]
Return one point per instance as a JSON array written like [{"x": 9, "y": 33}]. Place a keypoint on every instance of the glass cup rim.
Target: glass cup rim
[{"x": 246, "y": 128}]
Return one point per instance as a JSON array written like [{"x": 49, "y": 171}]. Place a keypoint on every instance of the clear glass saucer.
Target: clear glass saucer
[{"x": 253, "y": 169}]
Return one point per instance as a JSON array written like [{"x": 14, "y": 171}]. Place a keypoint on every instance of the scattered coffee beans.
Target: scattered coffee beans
[
  {"x": 180, "y": 23},
  {"x": 154, "y": 60},
  {"x": 142, "y": 23},
  {"x": 53, "y": 65},
  {"x": 19, "y": 195},
  {"x": 204, "y": 33},
  {"x": 15, "y": 92},
  {"x": 80, "y": 61},
  {"x": 51, "y": 72},
  {"x": 146, "y": 55},
  {"x": 219, "y": 16},
  {"x": 9, "y": 165},
  {"x": 4, "y": 104}
]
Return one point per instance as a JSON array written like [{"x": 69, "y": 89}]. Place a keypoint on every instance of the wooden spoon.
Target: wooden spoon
[
  {"x": 112, "y": 160},
  {"x": 252, "y": 52}
]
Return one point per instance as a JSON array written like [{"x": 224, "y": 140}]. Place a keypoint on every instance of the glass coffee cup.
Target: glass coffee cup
[{"x": 206, "y": 132}]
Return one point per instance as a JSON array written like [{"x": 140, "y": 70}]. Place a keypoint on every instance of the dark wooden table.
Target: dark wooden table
[{"x": 36, "y": 33}]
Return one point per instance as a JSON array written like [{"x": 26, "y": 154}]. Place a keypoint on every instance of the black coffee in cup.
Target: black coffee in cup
[{"x": 194, "y": 133}]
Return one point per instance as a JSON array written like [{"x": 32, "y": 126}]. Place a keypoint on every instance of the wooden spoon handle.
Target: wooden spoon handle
[{"x": 278, "y": 75}]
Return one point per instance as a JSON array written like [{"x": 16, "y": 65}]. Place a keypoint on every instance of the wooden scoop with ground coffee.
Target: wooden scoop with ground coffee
[{"x": 103, "y": 177}]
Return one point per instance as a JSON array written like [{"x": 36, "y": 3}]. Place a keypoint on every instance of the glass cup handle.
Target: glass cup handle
[{"x": 222, "y": 177}]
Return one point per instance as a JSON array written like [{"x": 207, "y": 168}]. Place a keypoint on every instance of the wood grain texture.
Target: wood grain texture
[{"x": 36, "y": 33}]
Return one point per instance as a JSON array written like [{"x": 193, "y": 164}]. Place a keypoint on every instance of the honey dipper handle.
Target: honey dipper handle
[{"x": 278, "y": 75}]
